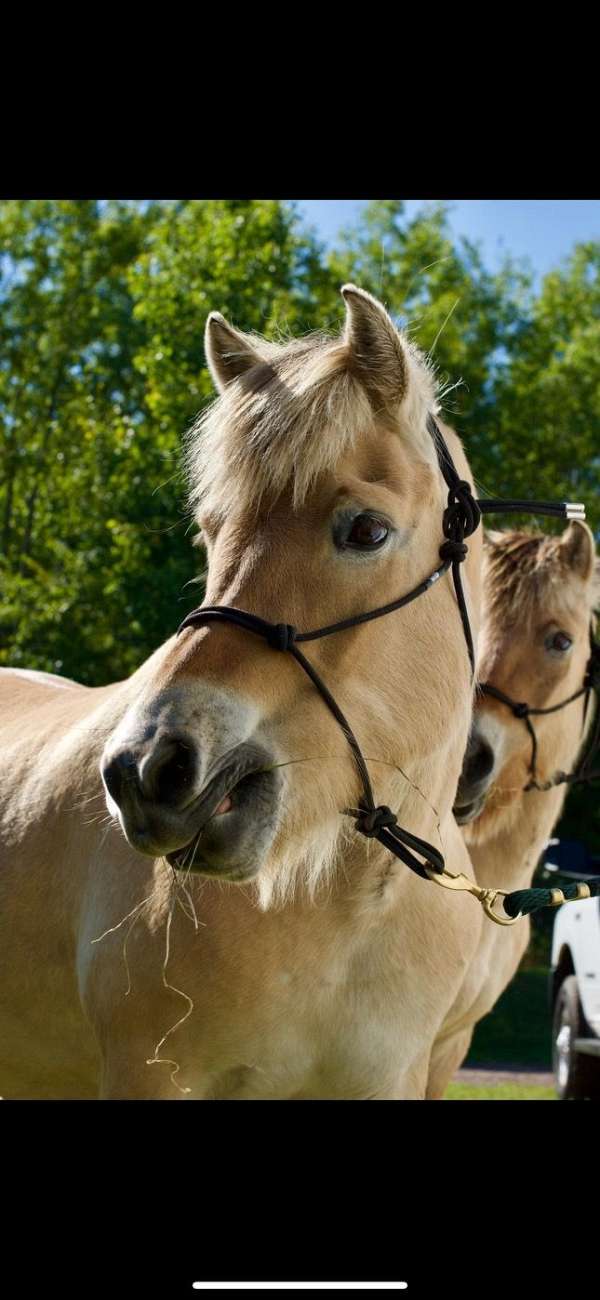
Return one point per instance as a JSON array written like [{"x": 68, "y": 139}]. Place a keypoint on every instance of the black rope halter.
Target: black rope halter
[
  {"x": 583, "y": 772},
  {"x": 461, "y": 518}
]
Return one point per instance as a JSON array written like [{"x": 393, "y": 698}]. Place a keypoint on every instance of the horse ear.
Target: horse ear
[
  {"x": 579, "y": 549},
  {"x": 376, "y": 351},
  {"x": 229, "y": 353},
  {"x": 493, "y": 536}
]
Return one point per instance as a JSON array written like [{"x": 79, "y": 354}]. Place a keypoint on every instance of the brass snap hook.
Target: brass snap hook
[{"x": 487, "y": 897}]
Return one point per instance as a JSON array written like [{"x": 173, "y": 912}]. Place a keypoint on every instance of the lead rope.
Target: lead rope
[{"x": 461, "y": 518}]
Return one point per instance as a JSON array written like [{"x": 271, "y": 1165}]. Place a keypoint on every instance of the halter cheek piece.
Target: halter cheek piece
[
  {"x": 461, "y": 518},
  {"x": 591, "y": 682}
]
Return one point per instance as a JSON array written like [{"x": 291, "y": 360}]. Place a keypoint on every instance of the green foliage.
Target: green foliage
[
  {"x": 74, "y": 467},
  {"x": 103, "y": 307},
  {"x": 101, "y": 371},
  {"x": 458, "y": 313},
  {"x": 547, "y": 430},
  {"x": 245, "y": 259},
  {"x": 518, "y": 1029},
  {"x": 581, "y": 818}
]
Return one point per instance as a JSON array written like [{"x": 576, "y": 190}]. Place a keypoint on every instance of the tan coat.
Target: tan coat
[
  {"x": 534, "y": 588},
  {"x": 329, "y": 971}
]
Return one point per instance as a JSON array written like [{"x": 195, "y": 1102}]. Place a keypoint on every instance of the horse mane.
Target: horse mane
[
  {"x": 522, "y": 570},
  {"x": 289, "y": 419}
]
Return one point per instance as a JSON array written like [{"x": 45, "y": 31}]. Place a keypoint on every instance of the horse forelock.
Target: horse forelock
[
  {"x": 523, "y": 571},
  {"x": 290, "y": 419}
]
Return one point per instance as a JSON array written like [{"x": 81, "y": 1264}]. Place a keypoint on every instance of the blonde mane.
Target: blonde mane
[
  {"x": 523, "y": 570},
  {"x": 290, "y": 418}
]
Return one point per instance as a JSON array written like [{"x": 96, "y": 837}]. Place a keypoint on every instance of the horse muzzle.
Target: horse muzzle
[{"x": 221, "y": 824}]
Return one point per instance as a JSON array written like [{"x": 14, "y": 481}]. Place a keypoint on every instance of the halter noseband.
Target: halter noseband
[
  {"x": 461, "y": 518},
  {"x": 591, "y": 682}
]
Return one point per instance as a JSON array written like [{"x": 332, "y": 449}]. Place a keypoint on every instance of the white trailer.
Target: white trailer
[{"x": 575, "y": 993}]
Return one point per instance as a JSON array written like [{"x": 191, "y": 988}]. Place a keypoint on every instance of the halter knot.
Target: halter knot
[
  {"x": 462, "y": 514},
  {"x": 372, "y": 820},
  {"x": 520, "y": 710},
  {"x": 281, "y": 636},
  {"x": 451, "y": 550}
]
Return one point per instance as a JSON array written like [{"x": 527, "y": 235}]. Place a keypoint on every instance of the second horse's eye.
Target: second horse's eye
[{"x": 366, "y": 531}]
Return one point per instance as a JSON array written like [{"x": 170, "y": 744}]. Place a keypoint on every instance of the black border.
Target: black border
[
  {"x": 141, "y": 1199},
  {"x": 473, "y": 134}
]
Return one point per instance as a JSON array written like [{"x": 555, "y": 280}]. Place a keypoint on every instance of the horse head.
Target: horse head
[
  {"x": 540, "y": 595},
  {"x": 317, "y": 487}
]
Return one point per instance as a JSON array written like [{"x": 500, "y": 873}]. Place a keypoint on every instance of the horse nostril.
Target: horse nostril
[
  {"x": 119, "y": 770},
  {"x": 162, "y": 775},
  {"x": 166, "y": 773}
]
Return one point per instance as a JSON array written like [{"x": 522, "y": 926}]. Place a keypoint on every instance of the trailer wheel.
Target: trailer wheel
[{"x": 576, "y": 1075}]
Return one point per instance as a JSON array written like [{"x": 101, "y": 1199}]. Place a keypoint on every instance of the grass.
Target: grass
[
  {"x": 499, "y": 1092},
  {"x": 517, "y": 1031}
]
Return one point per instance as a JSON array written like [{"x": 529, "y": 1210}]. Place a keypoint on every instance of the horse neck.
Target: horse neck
[
  {"x": 369, "y": 880},
  {"x": 509, "y": 859}
]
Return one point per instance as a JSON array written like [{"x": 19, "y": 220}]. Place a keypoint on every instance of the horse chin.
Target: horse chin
[
  {"x": 214, "y": 855},
  {"x": 193, "y": 859}
]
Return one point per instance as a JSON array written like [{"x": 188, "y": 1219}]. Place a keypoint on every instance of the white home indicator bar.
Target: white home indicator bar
[{"x": 299, "y": 1286}]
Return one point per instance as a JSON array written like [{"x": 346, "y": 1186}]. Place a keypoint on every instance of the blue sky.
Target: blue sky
[{"x": 543, "y": 230}]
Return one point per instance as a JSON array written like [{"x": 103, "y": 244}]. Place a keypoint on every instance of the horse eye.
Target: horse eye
[
  {"x": 559, "y": 642},
  {"x": 367, "y": 531}
]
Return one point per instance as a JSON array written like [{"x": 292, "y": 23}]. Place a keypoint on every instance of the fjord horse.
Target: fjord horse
[
  {"x": 540, "y": 593},
  {"x": 224, "y": 932}
]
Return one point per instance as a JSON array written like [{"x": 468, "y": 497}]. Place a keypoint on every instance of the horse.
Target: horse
[
  {"x": 540, "y": 593},
  {"x": 187, "y": 908}
]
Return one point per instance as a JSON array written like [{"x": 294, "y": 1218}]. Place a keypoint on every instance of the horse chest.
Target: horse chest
[{"x": 339, "y": 1033}]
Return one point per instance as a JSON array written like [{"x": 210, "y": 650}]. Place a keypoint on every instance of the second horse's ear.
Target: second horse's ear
[
  {"x": 578, "y": 549},
  {"x": 229, "y": 353}
]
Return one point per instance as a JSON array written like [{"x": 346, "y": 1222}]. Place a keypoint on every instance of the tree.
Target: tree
[
  {"x": 101, "y": 371},
  {"x": 461, "y": 316},
  {"x": 547, "y": 435},
  {"x": 68, "y": 395}
]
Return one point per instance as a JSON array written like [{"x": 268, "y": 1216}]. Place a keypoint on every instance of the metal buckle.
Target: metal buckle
[
  {"x": 487, "y": 897},
  {"x": 488, "y": 907}
]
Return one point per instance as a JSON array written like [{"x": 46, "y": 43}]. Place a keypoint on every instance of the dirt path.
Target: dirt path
[{"x": 504, "y": 1074}]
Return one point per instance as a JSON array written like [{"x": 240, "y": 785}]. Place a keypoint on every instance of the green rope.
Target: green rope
[{"x": 524, "y": 901}]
